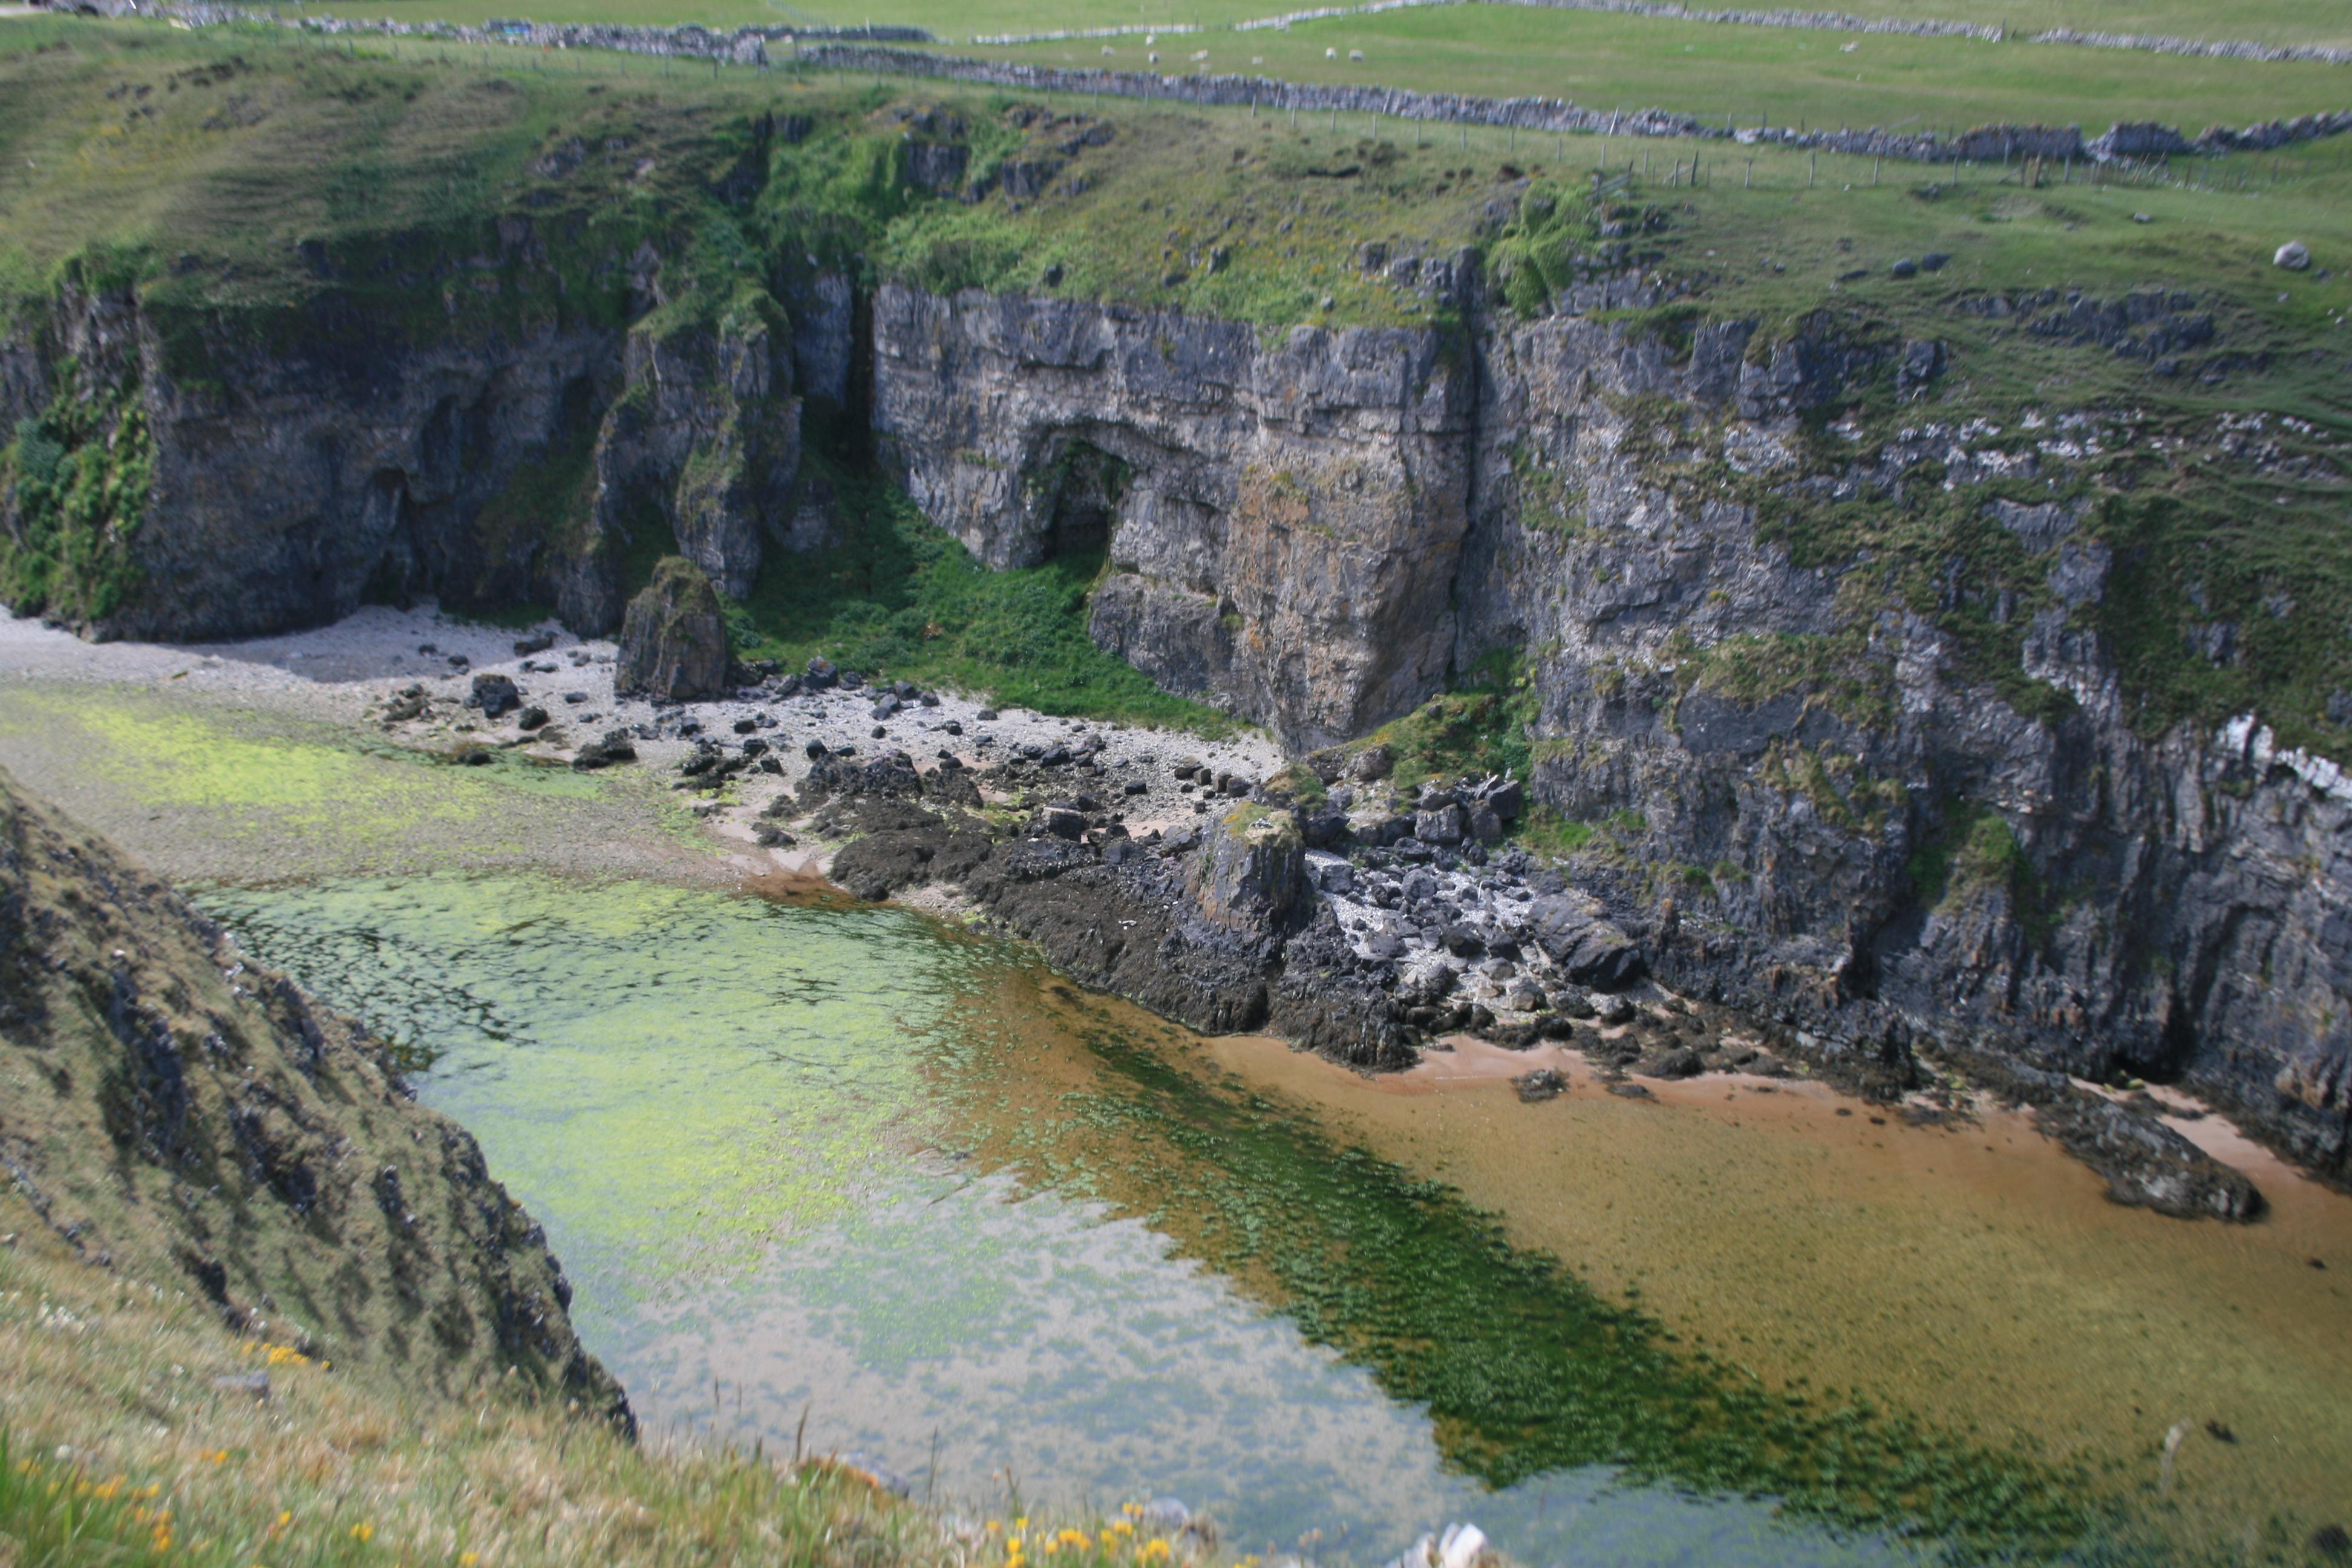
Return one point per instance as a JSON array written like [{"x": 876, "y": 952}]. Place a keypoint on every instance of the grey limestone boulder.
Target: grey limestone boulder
[
  {"x": 674, "y": 638},
  {"x": 1251, "y": 869}
]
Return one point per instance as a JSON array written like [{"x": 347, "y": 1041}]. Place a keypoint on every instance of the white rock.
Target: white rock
[
  {"x": 2292, "y": 256},
  {"x": 1462, "y": 1546}
]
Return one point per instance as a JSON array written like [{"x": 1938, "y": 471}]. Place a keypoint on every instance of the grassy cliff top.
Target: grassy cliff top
[
  {"x": 207, "y": 164},
  {"x": 2262, "y": 21}
]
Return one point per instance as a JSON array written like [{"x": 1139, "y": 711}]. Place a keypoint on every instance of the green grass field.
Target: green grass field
[
  {"x": 2324, "y": 22},
  {"x": 1779, "y": 75}
]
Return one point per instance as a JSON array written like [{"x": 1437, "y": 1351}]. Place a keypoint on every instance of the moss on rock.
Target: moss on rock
[{"x": 674, "y": 638}]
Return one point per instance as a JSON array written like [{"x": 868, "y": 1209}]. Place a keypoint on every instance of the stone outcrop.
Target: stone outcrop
[
  {"x": 2200, "y": 931},
  {"x": 290, "y": 484},
  {"x": 293, "y": 482},
  {"x": 1284, "y": 522},
  {"x": 1250, "y": 874},
  {"x": 176, "y": 1115},
  {"x": 674, "y": 638},
  {"x": 704, "y": 440}
]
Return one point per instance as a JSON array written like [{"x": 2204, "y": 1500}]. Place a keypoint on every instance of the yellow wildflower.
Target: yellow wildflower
[
  {"x": 363, "y": 1533},
  {"x": 467, "y": 1559}
]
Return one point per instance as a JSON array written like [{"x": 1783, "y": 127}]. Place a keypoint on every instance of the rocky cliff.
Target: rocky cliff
[
  {"x": 173, "y": 1114},
  {"x": 1284, "y": 521},
  {"x": 1830, "y": 704},
  {"x": 1880, "y": 818},
  {"x": 198, "y": 481}
]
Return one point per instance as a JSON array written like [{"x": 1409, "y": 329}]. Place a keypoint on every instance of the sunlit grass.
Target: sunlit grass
[{"x": 120, "y": 1448}]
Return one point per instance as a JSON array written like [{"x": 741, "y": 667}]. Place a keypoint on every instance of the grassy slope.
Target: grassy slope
[
  {"x": 116, "y": 1449},
  {"x": 182, "y": 1117}
]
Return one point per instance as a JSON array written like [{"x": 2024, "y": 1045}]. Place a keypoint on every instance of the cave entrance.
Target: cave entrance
[{"x": 1083, "y": 493}]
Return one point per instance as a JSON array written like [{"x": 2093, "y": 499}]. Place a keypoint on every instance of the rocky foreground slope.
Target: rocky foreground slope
[{"x": 171, "y": 1113}]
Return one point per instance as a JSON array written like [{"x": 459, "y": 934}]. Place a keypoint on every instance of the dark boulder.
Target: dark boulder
[
  {"x": 1680, "y": 1062},
  {"x": 494, "y": 695},
  {"x": 674, "y": 638},
  {"x": 1252, "y": 872},
  {"x": 616, "y": 747},
  {"x": 1588, "y": 949},
  {"x": 1544, "y": 1083}
]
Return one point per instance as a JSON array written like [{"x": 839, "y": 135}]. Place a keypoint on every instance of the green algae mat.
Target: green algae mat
[{"x": 807, "y": 1164}]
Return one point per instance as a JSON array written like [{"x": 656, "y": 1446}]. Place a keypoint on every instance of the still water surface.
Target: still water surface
[
  {"x": 993, "y": 1232},
  {"x": 794, "y": 1161},
  {"x": 849, "y": 1166}
]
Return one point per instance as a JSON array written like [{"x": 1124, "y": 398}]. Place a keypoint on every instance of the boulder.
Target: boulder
[
  {"x": 494, "y": 695},
  {"x": 1441, "y": 826},
  {"x": 1372, "y": 762},
  {"x": 2294, "y": 255},
  {"x": 1680, "y": 1062},
  {"x": 1587, "y": 948},
  {"x": 1544, "y": 1083},
  {"x": 674, "y": 638},
  {"x": 1323, "y": 829},
  {"x": 1252, "y": 871},
  {"x": 616, "y": 747}
]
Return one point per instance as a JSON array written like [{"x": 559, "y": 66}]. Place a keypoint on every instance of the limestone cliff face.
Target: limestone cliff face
[
  {"x": 704, "y": 440},
  {"x": 1284, "y": 519},
  {"x": 1898, "y": 853},
  {"x": 1842, "y": 822},
  {"x": 292, "y": 481}
]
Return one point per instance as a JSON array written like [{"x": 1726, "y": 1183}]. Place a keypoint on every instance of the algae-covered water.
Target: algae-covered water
[
  {"x": 851, "y": 1167},
  {"x": 844, "y": 1165}
]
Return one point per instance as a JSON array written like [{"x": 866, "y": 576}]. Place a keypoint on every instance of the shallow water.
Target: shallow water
[
  {"x": 994, "y": 1232},
  {"x": 798, "y": 1159}
]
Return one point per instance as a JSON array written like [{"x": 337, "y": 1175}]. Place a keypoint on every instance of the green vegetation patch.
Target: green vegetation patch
[
  {"x": 74, "y": 485},
  {"x": 899, "y": 595},
  {"x": 1478, "y": 727}
]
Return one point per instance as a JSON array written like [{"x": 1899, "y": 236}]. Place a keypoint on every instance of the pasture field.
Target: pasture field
[
  {"x": 1785, "y": 76},
  {"x": 2328, "y": 23},
  {"x": 388, "y": 135}
]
